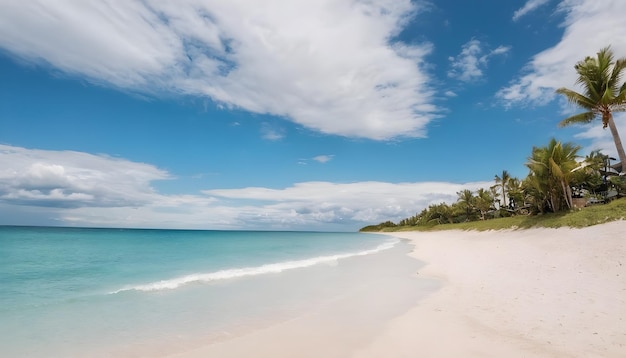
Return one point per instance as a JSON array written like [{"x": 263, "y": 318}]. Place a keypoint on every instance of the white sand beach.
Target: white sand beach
[
  {"x": 514, "y": 293},
  {"x": 525, "y": 293}
]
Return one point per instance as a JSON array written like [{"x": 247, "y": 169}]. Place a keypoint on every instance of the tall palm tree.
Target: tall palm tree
[
  {"x": 502, "y": 182},
  {"x": 602, "y": 95}
]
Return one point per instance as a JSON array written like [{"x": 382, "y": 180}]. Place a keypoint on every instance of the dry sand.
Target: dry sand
[
  {"x": 525, "y": 293},
  {"x": 513, "y": 293}
]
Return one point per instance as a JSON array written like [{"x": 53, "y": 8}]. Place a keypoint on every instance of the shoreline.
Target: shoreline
[
  {"x": 349, "y": 317},
  {"x": 511, "y": 293}
]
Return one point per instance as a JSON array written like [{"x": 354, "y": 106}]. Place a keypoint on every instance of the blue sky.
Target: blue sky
[{"x": 280, "y": 115}]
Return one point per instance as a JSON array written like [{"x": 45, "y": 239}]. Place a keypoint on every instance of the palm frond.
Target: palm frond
[
  {"x": 580, "y": 118},
  {"x": 621, "y": 93},
  {"x": 555, "y": 169},
  {"x": 619, "y": 101},
  {"x": 616, "y": 76},
  {"x": 589, "y": 76},
  {"x": 577, "y": 98},
  {"x": 607, "y": 96},
  {"x": 604, "y": 62}
]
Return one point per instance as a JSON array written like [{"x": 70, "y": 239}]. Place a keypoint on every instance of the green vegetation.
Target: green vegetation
[
  {"x": 577, "y": 218},
  {"x": 551, "y": 175},
  {"x": 559, "y": 186},
  {"x": 557, "y": 182}
]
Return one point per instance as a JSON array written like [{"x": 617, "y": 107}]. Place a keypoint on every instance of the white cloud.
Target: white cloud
[
  {"x": 450, "y": 94},
  {"x": 529, "y": 6},
  {"x": 589, "y": 26},
  {"x": 323, "y": 158},
  {"x": 73, "y": 188},
  {"x": 327, "y": 65},
  {"x": 73, "y": 179},
  {"x": 355, "y": 204},
  {"x": 500, "y": 50},
  {"x": 269, "y": 132},
  {"x": 469, "y": 64}
]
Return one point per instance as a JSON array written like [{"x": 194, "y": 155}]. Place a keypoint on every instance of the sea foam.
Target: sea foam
[{"x": 250, "y": 271}]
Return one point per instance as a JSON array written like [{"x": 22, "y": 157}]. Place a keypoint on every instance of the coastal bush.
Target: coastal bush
[
  {"x": 575, "y": 218},
  {"x": 379, "y": 227}
]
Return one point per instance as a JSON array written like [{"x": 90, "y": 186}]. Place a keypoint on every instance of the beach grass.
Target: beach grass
[{"x": 575, "y": 218}]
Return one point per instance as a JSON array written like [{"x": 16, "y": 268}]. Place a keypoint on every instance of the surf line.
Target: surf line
[{"x": 249, "y": 271}]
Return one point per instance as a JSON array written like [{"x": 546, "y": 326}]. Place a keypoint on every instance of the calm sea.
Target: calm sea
[{"x": 73, "y": 292}]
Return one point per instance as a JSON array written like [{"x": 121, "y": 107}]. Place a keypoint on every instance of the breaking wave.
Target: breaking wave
[{"x": 250, "y": 271}]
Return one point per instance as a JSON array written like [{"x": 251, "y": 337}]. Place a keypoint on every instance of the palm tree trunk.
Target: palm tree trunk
[
  {"x": 567, "y": 194},
  {"x": 618, "y": 143},
  {"x": 554, "y": 201}
]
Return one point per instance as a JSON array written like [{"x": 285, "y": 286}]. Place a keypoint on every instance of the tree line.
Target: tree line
[{"x": 557, "y": 177}]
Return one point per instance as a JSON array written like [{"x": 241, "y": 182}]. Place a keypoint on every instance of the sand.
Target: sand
[
  {"x": 513, "y": 293},
  {"x": 525, "y": 293}
]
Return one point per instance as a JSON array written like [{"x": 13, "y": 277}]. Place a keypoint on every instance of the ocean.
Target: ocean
[{"x": 79, "y": 292}]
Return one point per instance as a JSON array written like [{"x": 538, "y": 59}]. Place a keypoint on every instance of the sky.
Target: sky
[{"x": 325, "y": 115}]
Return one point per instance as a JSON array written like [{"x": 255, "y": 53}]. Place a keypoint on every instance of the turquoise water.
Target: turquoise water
[{"x": 69, "y": 292}]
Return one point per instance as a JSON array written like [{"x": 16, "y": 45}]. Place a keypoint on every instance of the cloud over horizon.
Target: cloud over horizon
[
  {"x": 82, "y": 189},
  {"x": 70, "y": 179},
  {"x": 330, "y": 66}
]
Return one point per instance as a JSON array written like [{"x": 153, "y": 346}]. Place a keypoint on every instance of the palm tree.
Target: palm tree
[
  {"x": 551, "y": 172},
  {"x": 535, "y": 193},
  {"x": 484, "y": 200},
  {"x": 439, "y": 214},
  {"x": 502, "y": 182},
  {"x": 595, "y": 161},
  {"x": 602, "y": 94},
  {"x": 516, "y": 194},
  {"x": 466, "y": 201},
  {"x": 587, "y": 175}
]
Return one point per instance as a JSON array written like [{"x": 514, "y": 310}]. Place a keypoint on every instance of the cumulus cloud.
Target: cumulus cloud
[
  {"x": 529, "y": 6},
  {"x": 472, "y": 61},
  {"x": 328, "y": 65},
  {"x": 73, "y": 179},
  {"x": 74, "y": 188},
  {"x": 589, "y": 26}
]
